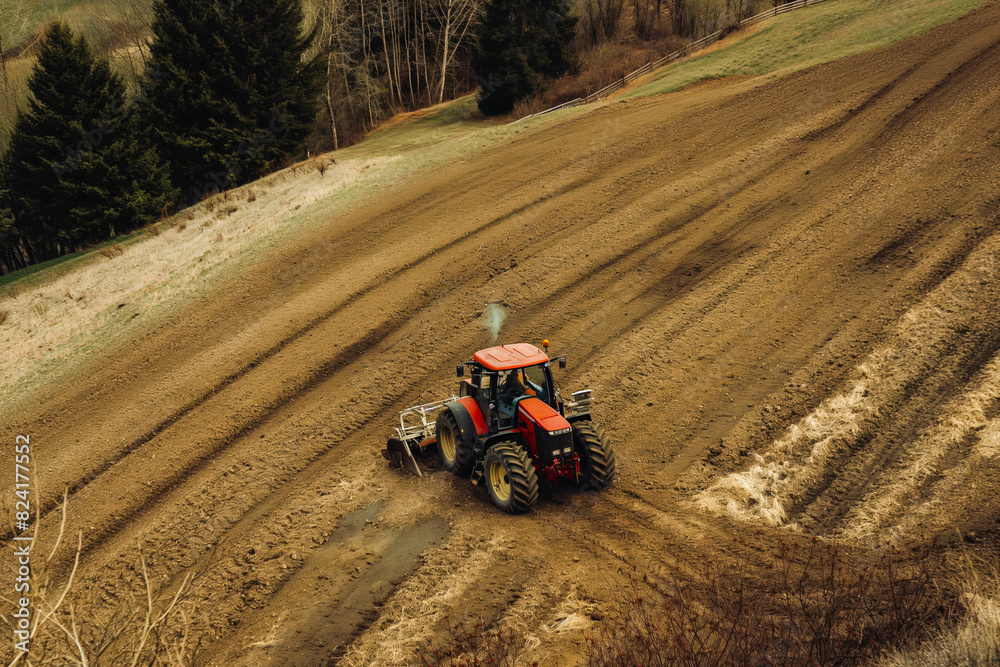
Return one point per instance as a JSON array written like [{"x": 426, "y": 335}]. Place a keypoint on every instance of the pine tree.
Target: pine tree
[
  {"x": 10, "y": 257},
  {"x": 520, "y": 40},
  {"x": 77, "y": 170},
  {"x": 236, "y": 95}
]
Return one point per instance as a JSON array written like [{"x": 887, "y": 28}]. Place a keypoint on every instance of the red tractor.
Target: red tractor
[{"x": 508, "y": 427}]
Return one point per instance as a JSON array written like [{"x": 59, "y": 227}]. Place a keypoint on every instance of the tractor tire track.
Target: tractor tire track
[{"x": 713, "y": 262}]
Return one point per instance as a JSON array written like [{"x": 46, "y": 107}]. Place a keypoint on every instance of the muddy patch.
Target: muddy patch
[{"x": 340, "y": 588}]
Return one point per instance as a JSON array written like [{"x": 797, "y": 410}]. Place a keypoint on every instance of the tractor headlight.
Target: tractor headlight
[
  {"x": 568, "y": 450},
  {"x": 561, "y": 431},
  {"x": 555, "y": 452}
]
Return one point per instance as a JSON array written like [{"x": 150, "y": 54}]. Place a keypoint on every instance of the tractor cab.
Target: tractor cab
[{"x": 503, "y": 376}]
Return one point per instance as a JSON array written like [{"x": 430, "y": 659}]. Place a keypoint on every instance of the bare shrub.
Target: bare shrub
[
  {"x": 153, "y": 230},
  {"x": 974, "y": 638},
  {"x": 181, "y": 226},
  {"x": 4, "y": 314},
  {"x": 321, "y": 165},
  {"x": 597, "y": 67},
  {"x": 230, "y": 209},
  {"x": 112, "y": 251},
  {"x": 475, "y": 646},
  {"x": 808, "y": 601},
  {"x": 15, "y": 290},
  {"x": 251, "y": 195},
  {"x": 530, "y": 106},
  {"x": 147, "y": 628},
  {"x": 165, "y": 211}
]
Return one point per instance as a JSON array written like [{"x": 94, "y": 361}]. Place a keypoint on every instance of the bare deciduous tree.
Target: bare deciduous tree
[
  {"x": 601, "y": 19},
  {"x": 17, "y": 17},
  {"x": 125, "y": 28},
  {"x": 388, "y": 54},
  {"x": 454, "y": 17}
]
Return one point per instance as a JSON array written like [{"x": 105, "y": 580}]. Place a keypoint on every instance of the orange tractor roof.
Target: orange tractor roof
[{"x": 506, "y": 357}]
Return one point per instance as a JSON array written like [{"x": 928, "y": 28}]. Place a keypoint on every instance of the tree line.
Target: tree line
[
  {"x": 227, "y": 94},
  {"x": 216, "y": 93}
]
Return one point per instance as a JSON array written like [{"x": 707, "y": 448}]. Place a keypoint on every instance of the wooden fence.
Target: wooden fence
[{"x": 676, "y": 55}]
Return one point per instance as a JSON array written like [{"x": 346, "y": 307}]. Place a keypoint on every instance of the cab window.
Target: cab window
[{"x": 537, "y": 381}]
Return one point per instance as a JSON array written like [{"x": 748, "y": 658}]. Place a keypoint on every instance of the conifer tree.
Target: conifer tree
[
  {"x": 237, "y": 95},
  {"x": 10, "y": 257},
  {"x": 520, "y": 40},
  {"x": 76, "y": 169}
]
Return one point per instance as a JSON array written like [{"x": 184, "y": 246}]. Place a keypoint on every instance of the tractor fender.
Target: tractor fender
[
  {"x": 469, "y": 418},
  {"x": 580, "y": 416}
]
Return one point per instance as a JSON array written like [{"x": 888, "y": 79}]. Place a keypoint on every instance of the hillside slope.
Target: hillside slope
[{"x": 718, "y": 264}]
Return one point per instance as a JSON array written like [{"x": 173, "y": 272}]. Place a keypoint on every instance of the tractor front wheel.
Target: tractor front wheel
[
  {"x": 457, "y": 453},
  {"x": 597, "y": 458},
  {"x": 510, "y": 478}
]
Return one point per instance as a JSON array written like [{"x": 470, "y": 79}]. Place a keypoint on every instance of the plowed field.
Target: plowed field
[{"x": 784, "y": 294}]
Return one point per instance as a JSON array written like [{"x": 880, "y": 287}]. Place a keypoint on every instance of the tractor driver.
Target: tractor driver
[{"x": 515, "y": 385}]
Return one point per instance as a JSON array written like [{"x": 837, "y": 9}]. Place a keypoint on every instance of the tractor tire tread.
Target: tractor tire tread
[
  {"x": 465, "y": 456},
  {"x": 521, "y": 472},
  {"x": 592, "y": 443}
]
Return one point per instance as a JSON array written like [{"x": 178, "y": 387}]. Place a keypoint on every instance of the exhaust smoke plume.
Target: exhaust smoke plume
[{"x": 492, "y": 319}]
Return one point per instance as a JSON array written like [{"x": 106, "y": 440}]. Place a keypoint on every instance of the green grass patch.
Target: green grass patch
[
  {"x": 38, "y": 274},
  {"x": 421, "y": 129},
  {"x": 25, "y": 19},
  {"x": 809, "y": 36}
]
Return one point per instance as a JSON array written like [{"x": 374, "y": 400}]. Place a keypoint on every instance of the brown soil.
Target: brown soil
[{"x": 714, "y": 263}]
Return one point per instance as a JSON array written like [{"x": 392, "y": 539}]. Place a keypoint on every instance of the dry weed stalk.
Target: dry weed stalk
[
  {"x": 322, "y": 164},
  {"x": 975, "y": 638},
  {"x": 475, "y": 646},
  {"x": 807, "y": 602},
  {"x": 154, "y": 632},
  {"x": 112, "y": 251}
]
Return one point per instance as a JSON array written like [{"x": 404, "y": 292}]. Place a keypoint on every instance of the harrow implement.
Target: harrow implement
[{"x": 416, "y": 432}]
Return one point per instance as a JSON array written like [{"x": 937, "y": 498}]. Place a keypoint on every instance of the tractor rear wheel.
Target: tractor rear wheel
[
  {"x": 457, "y": 453},
  {"x": 510, "y": 478},
  {"x": 597, "y": 458}
]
